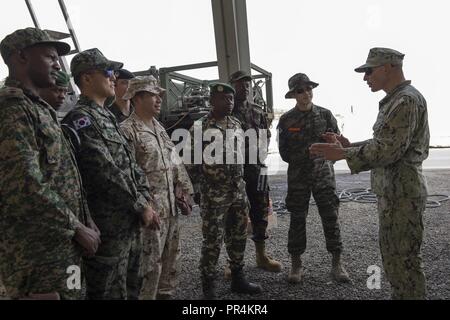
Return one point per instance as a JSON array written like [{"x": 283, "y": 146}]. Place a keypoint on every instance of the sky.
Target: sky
[{"x": 323, "y": 38}]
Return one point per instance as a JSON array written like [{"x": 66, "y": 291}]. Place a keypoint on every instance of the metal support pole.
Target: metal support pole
[
  {"x": 231, "y": 33},
  {"x": 76, "y": 44},
  {"x": 32, "y": 14}
]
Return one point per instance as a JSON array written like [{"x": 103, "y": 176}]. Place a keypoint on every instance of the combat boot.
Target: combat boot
[
  {"x": 264, "y": 261},
  {"x": 296, "y": 274},
  {"x": 227, "y": 272},
  {"x": 209, "y": 288},
  {"x": 240, "y": 285},
  {"x": 338, "y": 272}
]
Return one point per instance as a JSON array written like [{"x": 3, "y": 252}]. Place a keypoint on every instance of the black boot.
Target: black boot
[
  {"x": 209, "y": 288},
  {"x": 240, "y": 285}
]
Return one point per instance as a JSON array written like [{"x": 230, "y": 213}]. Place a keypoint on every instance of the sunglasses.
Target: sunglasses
[
  {"x": 107, "y": 73},
  {"x": 303, "y": 90}
]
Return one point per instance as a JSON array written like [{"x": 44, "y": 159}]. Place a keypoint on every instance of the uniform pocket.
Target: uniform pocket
[{"x": 51, "y": 141}]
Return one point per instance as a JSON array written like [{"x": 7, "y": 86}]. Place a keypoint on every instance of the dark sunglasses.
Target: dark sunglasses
[
  {"x": 107, "y": 73},
  {"x": 303, "y": 90}
]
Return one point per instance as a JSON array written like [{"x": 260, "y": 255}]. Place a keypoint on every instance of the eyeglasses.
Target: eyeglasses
[
  {"x": 303, "y": 90},
  {"x": 107, "y": 73}
]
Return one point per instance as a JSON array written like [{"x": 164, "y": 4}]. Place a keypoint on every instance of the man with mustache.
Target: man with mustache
[
  {"x": 155, "y": 153},
  {"x": 56, "y": 94}
]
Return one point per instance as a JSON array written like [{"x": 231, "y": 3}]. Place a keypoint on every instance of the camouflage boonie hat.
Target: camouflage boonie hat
[
  {"x": 92, "y": 59},
  {"x": 24, "y": 38},
  {"x": 143, "y": 83},
  {"x": 381, "y": 56},
  {"x": 298, "y": 81},
  {"x": 239, "y": 75},
  {"x": 220, "y": 87},
  {"x": 62, "y": 79}
]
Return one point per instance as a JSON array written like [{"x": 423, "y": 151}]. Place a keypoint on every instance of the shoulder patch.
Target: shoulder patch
[
  {"x": 82, "y": 123},
  {"x": 11, "y": 92}
]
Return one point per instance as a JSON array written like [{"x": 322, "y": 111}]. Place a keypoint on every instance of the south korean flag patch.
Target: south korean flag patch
[{"x": 82, "y": 123}]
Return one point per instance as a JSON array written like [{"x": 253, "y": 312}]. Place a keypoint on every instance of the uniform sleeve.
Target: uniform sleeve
[
  {"x": 182, "y": 177},
  {"x": 332, "y": 125},
  {"x": 390, "y": 142},
  {"x": 193, "y": 168},
  {"x": 25, "y": 192},
  {"x": 283, "y": 145},
  {"x": 265, "y": 125},
  {"x": 100, "y": 171}
]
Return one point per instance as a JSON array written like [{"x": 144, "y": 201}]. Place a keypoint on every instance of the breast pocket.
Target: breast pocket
[
  {"x": 320, "y": 127},
  {"x": 51, "y": 143}
]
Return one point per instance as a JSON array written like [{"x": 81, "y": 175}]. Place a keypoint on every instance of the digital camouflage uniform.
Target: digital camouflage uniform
[
  {"x": 252, "y": 116},
  {"x": 224, "y": 204},
  {"x": 40, "y": 187},
  {"x": 155, "y": 153},
  {"x": 42, "y": 197},
  {"x": 306, "y": 175},
  {"x": 117, "y": 192},
  {"x": 395, "y": 154}
]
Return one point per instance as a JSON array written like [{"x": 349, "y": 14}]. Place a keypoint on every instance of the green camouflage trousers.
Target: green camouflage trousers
[
  {"x": 400, "y": 236},
  {"x": 114, "y": 272},
  {"x": 47, "y": 278},
  {"x": 160, "y": 259},
  {"x": 227, "y": 222},
  {"x": 257, "y": 189},
  {"x": 322, "y": 185}
]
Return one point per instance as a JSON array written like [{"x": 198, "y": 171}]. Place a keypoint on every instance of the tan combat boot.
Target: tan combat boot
[
  {"x": 296, "y": 274},
  {"x": 338, "y": 272},
  {"x": 227, "y": 272},
  {"x": 263, "y": 261}
]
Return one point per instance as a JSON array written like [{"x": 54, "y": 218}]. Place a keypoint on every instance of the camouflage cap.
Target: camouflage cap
[
  {"x": 62, "y": 79},
  {"x": 24, "y": 38},
  {"x": 381, "y": 56},
  {"x": 91, "y": 59},
  {"x": 143, "y": 83},
  {"x": 219, "y": 87},
  {"x": 298, "y": 81},
  {"x": 239, "y": 75}
]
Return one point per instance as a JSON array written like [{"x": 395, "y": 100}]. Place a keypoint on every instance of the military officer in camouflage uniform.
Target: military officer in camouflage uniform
[
  {"x": 122, "y": 108},
  {"x": 117, "y": 191},
  {"x": 298, "y": 129},
  {"x": 394, "y": 155},
  {"x": 55, "y": 95},
  {"x": 252, "y": 117},
  {"x": 42, "y": 209},
  {"x": 155, "y": 153},
  {"x": 224, "y": 204}
]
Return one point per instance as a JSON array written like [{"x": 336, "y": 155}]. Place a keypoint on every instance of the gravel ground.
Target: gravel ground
[{"x": 359, "y": 231}]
